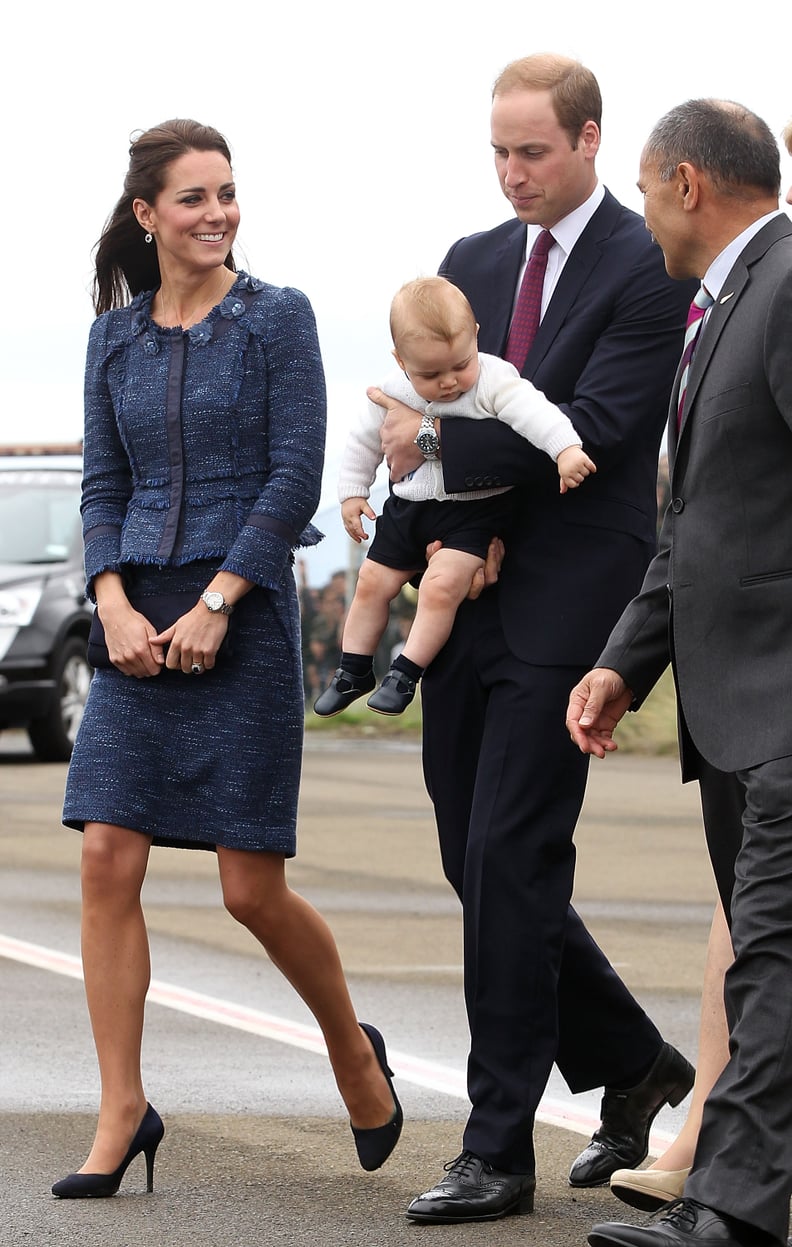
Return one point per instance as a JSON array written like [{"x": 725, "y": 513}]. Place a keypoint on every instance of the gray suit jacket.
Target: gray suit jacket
[{"x": 717, "y": 599}]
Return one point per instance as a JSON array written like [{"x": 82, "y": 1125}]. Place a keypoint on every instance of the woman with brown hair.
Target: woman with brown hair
[{"x": 204, "y": 434}]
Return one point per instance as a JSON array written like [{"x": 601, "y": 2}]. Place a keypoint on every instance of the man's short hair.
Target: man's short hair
[
  {"x": 573, "y": 88},
  {"x": 725, "y": 140}
]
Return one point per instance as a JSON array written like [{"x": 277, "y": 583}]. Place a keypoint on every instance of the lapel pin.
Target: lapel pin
[{"x": 725, "y": 298}]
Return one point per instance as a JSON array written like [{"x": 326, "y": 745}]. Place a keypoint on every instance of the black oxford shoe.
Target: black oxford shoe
[
  {"x": 685, "y": 1223},
  {"x": 622, "y": 1140},
  {"x": 343, "y": 689},
  {"x": 474, "y": 1191}
]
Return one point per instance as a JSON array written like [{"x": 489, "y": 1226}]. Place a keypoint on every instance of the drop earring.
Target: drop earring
[{"x": 148, "y": 238}]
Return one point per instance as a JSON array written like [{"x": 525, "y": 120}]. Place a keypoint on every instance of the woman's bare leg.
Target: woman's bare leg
[
  {"x": 713, "y": 1044},
  {"x": 301, "y": 945},
  {"x": 116, "y": 965}
]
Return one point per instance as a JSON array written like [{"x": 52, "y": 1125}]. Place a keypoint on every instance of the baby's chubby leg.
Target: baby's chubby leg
[
  {"x": 377, "y": 586},
  {"x": 444, "y": 585}
]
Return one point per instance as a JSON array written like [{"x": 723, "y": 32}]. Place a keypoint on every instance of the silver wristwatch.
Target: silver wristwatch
[
  {"x": 215, "y": 602},
  {"x": 427, "y": 440}
]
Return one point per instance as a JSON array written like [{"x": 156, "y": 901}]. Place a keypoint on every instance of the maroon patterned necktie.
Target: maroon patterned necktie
[
  {"x": 529, "y": 302},
  {"x": 698, "y": 310}
]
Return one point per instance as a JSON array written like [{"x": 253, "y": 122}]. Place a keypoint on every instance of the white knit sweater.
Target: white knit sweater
[{"x": 499, "y": 394}]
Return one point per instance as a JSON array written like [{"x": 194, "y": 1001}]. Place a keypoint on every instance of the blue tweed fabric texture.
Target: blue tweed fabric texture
[{"x": 203, "y": 450}]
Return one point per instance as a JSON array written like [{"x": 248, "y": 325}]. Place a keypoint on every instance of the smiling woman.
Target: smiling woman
[
  {"x": 204, "y": 438},
  {"x": 194, "y": 221},
  {"x": 126, "y": 261}
]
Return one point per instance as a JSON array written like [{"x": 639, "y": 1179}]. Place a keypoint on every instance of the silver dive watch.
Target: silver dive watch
[
  {"x": 427, "y": 440},
  {"x": 214, "y": 601}
]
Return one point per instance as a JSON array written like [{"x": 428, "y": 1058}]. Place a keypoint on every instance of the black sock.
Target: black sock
[
  {"x": 357, "y": 664},
  {"x": 409, "y": 668}
]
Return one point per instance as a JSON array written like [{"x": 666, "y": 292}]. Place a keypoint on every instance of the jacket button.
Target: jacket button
[{"x": 678, "y": 505}]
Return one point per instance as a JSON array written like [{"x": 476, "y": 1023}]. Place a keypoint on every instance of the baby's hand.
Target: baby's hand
[
  {"x": 574, "y": 466},
  {"x": 351, "y": 511}
]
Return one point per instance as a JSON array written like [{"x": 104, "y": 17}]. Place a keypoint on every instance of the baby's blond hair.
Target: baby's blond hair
[{"x": 429, "y": 307}]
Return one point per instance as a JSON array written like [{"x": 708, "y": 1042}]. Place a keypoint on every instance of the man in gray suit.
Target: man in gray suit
[{"x": 717, "y": 604}]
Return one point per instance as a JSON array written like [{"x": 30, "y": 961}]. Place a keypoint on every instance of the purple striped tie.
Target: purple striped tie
[
  {"x": 698, "y": 310},
  {"x": 525, "y": 321}
]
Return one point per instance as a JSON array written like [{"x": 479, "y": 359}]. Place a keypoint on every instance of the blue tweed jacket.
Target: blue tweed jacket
[{"x": 204, "y": 444}]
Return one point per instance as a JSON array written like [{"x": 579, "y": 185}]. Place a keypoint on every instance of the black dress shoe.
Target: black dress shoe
[
  {"x": 474, "y": 1191},
  {"x": 394, "y": 693},
  {"x": 343, "y": 689},
  {"x": 622, "y": 1140},
  {"x": 685, "y": 1223}
]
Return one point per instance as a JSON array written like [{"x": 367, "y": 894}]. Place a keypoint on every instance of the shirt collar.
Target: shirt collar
[
  {"x": 722, "y": 265},
  {"x": 567, "y": 231}
]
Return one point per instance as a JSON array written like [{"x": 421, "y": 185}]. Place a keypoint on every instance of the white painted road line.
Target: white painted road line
[{"x": 411, "y": 1068}]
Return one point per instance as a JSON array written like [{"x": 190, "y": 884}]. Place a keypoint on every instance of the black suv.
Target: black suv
[{"x": 44, "y": 618}]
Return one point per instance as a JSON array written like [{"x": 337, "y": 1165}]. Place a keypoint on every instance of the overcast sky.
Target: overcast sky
[{"x": 360, "y": 134}]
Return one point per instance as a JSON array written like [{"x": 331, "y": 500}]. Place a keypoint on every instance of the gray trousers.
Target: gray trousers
[{"x": 743, "y": 1163}]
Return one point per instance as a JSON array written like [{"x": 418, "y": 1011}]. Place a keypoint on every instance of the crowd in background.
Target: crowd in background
[{"x": 322, "y": 611}]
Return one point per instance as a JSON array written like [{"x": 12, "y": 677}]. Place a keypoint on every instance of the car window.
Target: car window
[{"x": 39, "y": 515}]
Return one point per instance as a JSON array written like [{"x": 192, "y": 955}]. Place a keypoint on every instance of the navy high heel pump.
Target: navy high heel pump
[
  {"x": 374, "y": 1146},
  {"x": 101, "y": 1185}
]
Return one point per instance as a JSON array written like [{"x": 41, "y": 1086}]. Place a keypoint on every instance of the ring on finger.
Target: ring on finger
[{"x": 197, "y": 668}]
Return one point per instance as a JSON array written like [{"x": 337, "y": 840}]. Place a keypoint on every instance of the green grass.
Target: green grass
[{"x": 652, "y": 730}]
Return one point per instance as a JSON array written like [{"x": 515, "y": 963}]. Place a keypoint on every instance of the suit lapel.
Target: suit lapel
[
  {"x": 583, "y": 259},
  {"x": 727, "y": 300},
  {"x": 712, "y": 329},
  {"x": 493, "y": 310}
]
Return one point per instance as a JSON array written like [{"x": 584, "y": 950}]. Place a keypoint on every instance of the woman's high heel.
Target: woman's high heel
[
  {"x": 100, "y": 1185},
  {"x": 374, "y": 1146}
]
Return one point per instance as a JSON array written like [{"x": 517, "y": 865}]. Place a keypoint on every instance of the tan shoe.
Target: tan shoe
[{"x": 648, "y": 1189}]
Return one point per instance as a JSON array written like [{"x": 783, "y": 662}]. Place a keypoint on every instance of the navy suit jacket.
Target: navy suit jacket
[{"x": 606, "y": 353}]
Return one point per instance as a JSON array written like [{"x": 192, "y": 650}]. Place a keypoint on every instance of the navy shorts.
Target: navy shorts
[{"x": 405, "y": 529}]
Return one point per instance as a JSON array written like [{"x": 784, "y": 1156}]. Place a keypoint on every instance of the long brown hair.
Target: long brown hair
[{"x": 125, "y": 264}]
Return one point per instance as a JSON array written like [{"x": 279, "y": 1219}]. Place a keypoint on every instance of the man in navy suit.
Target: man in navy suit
[{"x": 506, "y": 782}]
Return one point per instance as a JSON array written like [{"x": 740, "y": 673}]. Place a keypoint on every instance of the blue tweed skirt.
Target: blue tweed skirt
[{"x": 197, "y": 761}]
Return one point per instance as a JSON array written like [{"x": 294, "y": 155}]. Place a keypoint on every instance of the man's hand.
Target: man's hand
[
  {"x": 595, "y": 707},
  {"x": 484, "y": 576},
  {"x": 351, "y": 511},
  {"x": 398, "y": 433}
]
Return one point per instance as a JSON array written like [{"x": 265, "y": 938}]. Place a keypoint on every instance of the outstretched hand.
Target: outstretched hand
[
  {"x": 596, "y": 706},
  {"x": 352, "y": 509}
]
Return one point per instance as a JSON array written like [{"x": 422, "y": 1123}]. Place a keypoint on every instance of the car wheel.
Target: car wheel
[{"x": 53, "y": 735}]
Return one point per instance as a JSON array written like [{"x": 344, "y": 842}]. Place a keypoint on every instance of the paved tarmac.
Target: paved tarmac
[{"x": 257, "y": 1150}]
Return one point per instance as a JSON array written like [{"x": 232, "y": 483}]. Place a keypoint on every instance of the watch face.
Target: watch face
[
  {"x": 213, "y": 600},
  {"x": 427, "y": 443}
]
